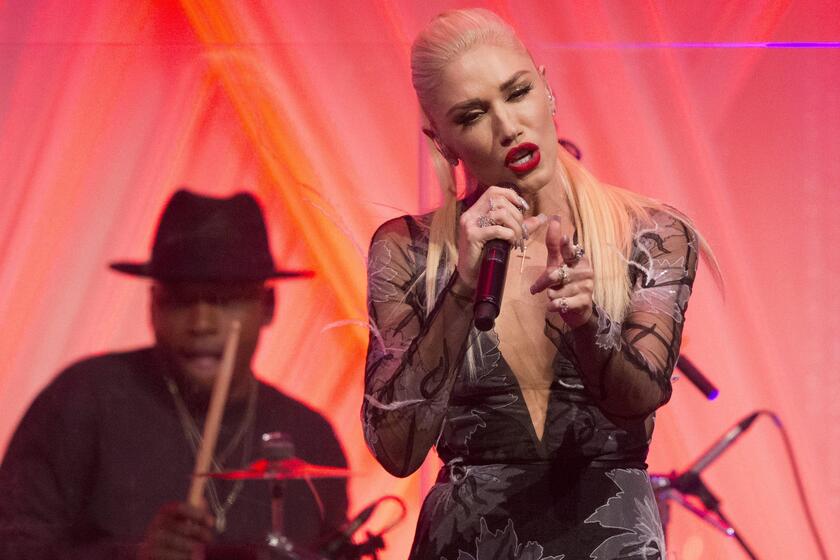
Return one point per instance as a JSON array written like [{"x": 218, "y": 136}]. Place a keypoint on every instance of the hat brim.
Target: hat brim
[{"x": 145, "y": 271}]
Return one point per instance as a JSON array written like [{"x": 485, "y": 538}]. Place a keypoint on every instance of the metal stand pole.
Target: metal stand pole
[{"x": 665, "y": 493}]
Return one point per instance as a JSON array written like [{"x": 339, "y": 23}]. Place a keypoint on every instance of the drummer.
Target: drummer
[{"x": 100, "y": 465}]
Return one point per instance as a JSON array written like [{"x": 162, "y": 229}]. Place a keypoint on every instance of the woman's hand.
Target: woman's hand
[
  {"x": 497, "y": 214},
  {"x": 568, "y": 279}
]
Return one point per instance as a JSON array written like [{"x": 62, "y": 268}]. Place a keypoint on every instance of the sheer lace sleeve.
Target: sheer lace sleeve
[
  {"x": 627, "y": 366},
  {"x": 412, "y": 357}
]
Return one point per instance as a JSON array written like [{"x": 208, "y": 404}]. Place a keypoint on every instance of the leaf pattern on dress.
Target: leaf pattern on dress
[
  {"x": 381, "y": 274},
  {"x": 663, "y": 282},
  {"x": 485, "y": 350},
  {"x": 609, "y": 331},
  {"x": 477, "y": 424},
  {"x": 469, "y": 492},
  {"x": 663, "y": 289},
  {"x": 503, "y": 544},
  {"x": 421, "y": 391},
  {"x": 633, "y": 509}
]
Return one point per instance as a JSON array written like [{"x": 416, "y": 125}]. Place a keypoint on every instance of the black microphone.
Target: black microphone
[
  {"x": 343, "y": 536},
  {"x": 491, "y": 282},
  {"x": 689, "y": 481},
  {"x": 700, "y": 381}
]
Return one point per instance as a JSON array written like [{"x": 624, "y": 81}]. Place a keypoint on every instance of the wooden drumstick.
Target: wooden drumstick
[{"x": 214, "y": 416}]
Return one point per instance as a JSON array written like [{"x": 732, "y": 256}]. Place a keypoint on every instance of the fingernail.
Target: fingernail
[
  {"x": 532, "y": 290},
  {"x": 555, "y": 218},
  {"x": 525, "y": 234},
  {"x": 542, "y": 218},
  {"x": 523, "y": 202}
]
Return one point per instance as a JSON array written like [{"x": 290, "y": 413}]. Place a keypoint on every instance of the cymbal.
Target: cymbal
[{"x": 292, "y": 468}]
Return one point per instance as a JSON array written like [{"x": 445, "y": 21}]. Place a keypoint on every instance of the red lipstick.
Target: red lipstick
[{"x": 523, "y": 158}]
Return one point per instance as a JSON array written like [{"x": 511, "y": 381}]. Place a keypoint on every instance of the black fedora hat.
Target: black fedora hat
[{"x": 202, "y": 238}]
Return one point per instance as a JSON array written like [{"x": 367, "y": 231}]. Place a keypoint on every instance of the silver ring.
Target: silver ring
[
  {"x": 564, "y": 306},
  {"x": 485, "y": 221},
  {"x": 564, "y": 274},
  {"x": 578, "y": 253}
]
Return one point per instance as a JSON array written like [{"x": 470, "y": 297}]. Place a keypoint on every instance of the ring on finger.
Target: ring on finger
[
  {"x": 563, "y": 274},
  {"x": 491, "y": 204},
  {"x": 577, "y": 253},
  {"x": 485, "y": 221},
  {"x": 564, "y": 305}
]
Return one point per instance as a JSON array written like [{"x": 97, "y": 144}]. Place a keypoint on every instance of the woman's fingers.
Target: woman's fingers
[
  {"x": 571, "y": 252},
  {"x": 499, "y": 213},
  {"x": 499, "y": 231},
  {"x": 578, "y": 305},
  {"x": 509, "y": 218},
  {"x": 493, "y": 194},
  {"x": 503, "y": 207},
  {"x": 532, "y": 225},
  {"x": 581, "y": 284},
  {"x": 564, "y": 277},
  {"x": 554, "y": 243}
]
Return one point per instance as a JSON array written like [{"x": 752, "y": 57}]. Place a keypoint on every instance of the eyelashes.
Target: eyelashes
[
  {"x": 521, "y": 91},
  {"x": 468, "y": 119},
  {"x": 472, "y": 116}
]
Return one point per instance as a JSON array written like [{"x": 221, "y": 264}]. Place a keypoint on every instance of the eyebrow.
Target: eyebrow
[{"x": 475, "y": 102}]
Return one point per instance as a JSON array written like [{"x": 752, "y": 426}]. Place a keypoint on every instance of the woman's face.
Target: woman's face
[{"x": 492, "y": 111}]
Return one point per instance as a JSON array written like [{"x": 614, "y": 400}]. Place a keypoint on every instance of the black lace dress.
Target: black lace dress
[{"x": 580, "y": 491}]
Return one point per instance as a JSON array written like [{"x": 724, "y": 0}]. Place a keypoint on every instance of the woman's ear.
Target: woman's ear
[
  {"x": 548, "y": 92},
  {"x": 447, "y": 154}
]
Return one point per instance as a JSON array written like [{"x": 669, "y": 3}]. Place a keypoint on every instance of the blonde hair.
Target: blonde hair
[
  {"x": 606, "y": 217},
  {"x": 449, "y": 34}
]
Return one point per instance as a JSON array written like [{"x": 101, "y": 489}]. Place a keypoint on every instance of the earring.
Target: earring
[{"x": 450, "y": 158}]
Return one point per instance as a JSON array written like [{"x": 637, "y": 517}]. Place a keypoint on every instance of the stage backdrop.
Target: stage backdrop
[{"x": 728, "y": 110}]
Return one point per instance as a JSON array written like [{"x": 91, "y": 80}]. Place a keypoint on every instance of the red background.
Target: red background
[{"x": 107, "y": 106}]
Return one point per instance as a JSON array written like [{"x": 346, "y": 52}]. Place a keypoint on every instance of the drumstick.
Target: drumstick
[{"x": 214, "y": 416}]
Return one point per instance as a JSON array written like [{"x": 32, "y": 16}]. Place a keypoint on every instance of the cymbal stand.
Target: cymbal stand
[{"x": 277, "y": 446}]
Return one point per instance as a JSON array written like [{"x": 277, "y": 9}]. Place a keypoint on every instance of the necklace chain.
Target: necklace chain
[
  {"x": 523, "y": 249},
  {"x": 194, "y": 438}
]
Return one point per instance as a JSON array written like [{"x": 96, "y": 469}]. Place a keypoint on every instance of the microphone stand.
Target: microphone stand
[
  {"x": 697, "y": 378},
  {"x": 677, "y": 487},
  {"x": 692, "y": 484}
]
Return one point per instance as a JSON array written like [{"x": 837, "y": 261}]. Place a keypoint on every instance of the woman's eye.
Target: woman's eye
[
  {"x": 521, "y": 91},
  {"x": 468, "y": 118}
]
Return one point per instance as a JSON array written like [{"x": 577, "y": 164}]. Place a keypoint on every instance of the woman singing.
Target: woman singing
[{"x": 544, "y": 422}]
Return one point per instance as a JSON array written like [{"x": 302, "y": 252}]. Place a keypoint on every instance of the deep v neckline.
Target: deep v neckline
[{"x": 528, "y": 422}]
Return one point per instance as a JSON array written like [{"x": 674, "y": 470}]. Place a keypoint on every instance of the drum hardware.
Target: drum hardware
[
  {"x": 280, "y": 464},
  {"x": 291, "y": 468},
  {"x": 341, "y": 546}
]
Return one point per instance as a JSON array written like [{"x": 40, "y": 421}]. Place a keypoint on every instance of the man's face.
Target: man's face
[{"x": 191, "y": 321}]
